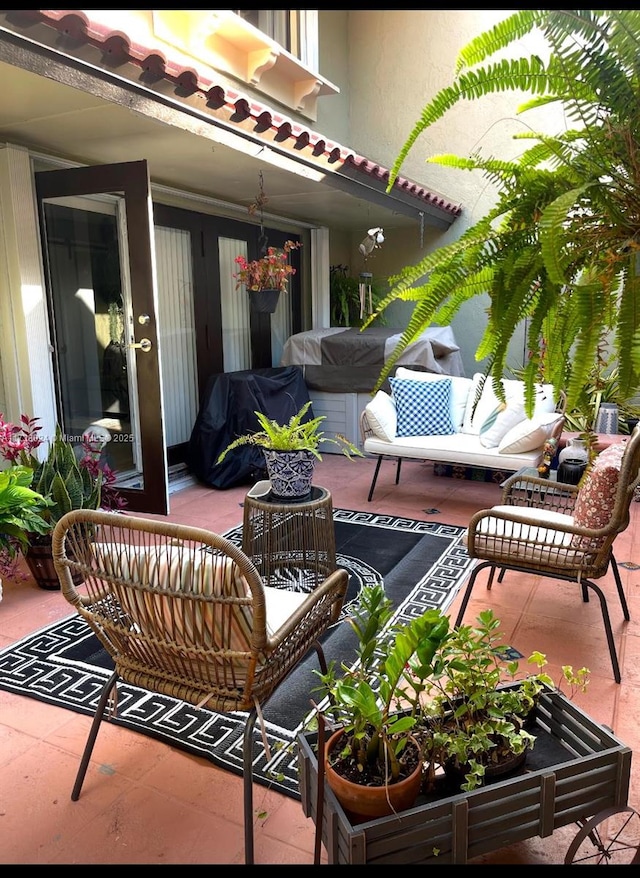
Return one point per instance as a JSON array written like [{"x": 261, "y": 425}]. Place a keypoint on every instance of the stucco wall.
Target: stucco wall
[{"x": 397, "y": 60}]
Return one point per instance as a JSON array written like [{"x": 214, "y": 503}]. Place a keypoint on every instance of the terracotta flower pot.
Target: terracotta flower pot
[{"x": 362, "y": 803}]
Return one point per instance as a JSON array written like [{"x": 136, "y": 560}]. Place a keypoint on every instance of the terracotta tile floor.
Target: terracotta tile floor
[{"x": 144, "y": 802}]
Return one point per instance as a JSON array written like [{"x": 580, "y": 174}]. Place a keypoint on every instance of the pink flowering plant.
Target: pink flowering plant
[
  {"x": 22, "y": 509},
  {"x": 271, "y": 272},
  {"x": 48, "y": 488}
]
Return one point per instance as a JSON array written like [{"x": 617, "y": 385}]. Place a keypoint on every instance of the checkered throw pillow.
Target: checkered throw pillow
[{"x": 424, "y": 408}]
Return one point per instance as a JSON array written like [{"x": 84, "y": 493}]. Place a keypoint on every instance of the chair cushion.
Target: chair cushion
[
  {"x": 530, "y": 434},
  {"x": 539, "y": 542},
  {"x": 382, "y": 416},
  {"x": 281, "y": 605},
  {"x": 540, "y": 530},
  {"x": 597, "y": 495},
  {"x": 175, "y": 569},
  {"x": 423, "y": 408}
]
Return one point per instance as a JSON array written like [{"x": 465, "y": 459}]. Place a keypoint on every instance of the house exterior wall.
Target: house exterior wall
[{"x": 388, "y": 64}]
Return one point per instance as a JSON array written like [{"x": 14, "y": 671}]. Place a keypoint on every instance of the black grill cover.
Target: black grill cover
[{"x": 228, "y": 411}]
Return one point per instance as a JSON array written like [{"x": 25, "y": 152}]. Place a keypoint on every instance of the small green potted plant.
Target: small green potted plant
[
  {"x": 22, "y": 512},
  {"x": 291, "y": 449},
  {"x": 456, "y": 692},
  {"x": 373, "y": 762},
  {"x": 476, "y": 704}
]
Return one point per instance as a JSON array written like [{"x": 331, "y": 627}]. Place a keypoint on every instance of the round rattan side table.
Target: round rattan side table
[{"x": 292, "y": 544}]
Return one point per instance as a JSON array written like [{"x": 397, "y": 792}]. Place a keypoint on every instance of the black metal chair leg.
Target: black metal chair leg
[
  {"x": 375, "y": 478},
  {"x": 93, "y": 734},
  {"x": 247, "y": 766},
  {"x": 398, "y": 470},
  {"x": 607, "y": 627},
  {"x": 469, "y": 589},
  {"x": 623, "y": 600},
  {"x": 322, "y": 661},
  {"x": 247, "y": 777}
]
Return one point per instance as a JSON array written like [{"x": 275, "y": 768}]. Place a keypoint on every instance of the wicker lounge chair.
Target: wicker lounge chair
[
  {"x": 562, "y": 531},
  {"x": 184, "y": 612}
]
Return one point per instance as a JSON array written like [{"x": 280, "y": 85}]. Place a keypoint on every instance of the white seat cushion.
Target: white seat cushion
[
  {"x": 537, "y": 542},
  {"x": 281, "y": 605}
]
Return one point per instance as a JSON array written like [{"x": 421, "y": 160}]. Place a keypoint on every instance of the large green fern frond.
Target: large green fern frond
[
  {"x": 557, "y": 251},
  {"x": 501, "y": 35}
]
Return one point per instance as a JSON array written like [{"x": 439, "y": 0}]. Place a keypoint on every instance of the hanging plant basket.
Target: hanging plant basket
[{"x": 264, "y": 301}]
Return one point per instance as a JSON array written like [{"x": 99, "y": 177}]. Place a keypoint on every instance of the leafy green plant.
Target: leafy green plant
[
  {"x": 22, "y": 511},
  {"x": 457, "y": 691},
  {"x": 60, "y": 477},
  {"x": 473, "y": 717},
  {"x": 560, "y": 250},
  {"x": 295, "y": 435},
  {"x": 363, "y": 697},
  {"x": 603, "y": 386}
]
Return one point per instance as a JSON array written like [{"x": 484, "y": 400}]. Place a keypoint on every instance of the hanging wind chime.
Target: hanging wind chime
[
  {"x": 364, "y": 288},
  {"x": 373, "y": 241}
]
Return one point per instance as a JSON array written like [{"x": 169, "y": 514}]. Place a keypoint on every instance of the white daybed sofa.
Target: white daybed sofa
[{"x": 440, "y": 418}]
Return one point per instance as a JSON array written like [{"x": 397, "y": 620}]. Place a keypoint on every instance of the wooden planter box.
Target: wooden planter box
[{"x": 576, "y": 769}]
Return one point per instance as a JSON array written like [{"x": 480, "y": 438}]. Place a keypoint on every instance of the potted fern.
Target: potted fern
[{"x": 291, "y": 450}]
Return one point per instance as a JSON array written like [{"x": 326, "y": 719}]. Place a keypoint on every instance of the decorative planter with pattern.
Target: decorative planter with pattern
[{"x": 290, "y": 473}]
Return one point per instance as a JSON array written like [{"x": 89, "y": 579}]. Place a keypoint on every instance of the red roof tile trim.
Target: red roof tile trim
[{"x": 118, "y": 49}]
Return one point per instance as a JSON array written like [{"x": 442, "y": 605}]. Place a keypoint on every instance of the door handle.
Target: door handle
[{"x": 144, "y": 344}]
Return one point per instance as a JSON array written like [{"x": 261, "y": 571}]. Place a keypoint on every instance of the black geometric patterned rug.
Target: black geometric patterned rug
[{"x": 421, "y": 563}]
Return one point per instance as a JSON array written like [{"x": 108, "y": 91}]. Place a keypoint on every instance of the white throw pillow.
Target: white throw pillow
[
  {"x": 530, "y": 434},
  {"x": 476, "y": 415},
  {"x": 545, "y": 399},
  {"x": 382, "y": 416},
  {"x": 474, "y": 418},
  {"x": 460, "y": 387},
  {"x": 500, "y": 421}
]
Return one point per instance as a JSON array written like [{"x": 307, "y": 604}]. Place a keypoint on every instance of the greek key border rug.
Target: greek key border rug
[{"x": 422, "y": 564}]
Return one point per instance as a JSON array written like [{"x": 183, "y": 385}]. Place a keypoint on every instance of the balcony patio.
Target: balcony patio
[{"x": 146, "y": 802}]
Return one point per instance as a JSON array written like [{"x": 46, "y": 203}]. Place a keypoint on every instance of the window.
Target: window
[{"x": 294, "y": 29}]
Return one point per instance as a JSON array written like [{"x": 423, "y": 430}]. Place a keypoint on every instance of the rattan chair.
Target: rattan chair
[
  {"x": 539, "y": 529},
  {"x": 183, "y": 612}
]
